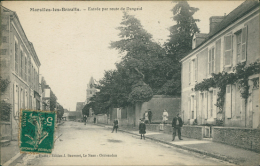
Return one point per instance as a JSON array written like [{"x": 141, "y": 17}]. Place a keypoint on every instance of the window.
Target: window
[
  {"x": 194, "y": 62},
  {"x": 228, "y": 50},
  {"x": 16, "y": 105},
  {"x": 4, "y": 39},
  {"x": 244, "y": 39},
  {"x": 4, "y": 27},
  {"x": 16, "y": 57},
  {"x": 241, "y": 38},
  {"x": 189, "y": 72},
  {"x": 25, "y": 68},
  {"x": 211, "y": 61},
  {"x": 193, "y": 71},
  {"x": 210, "y": 103},
  {"x": 21, "y": 65},
  {"x": 228, "y": 101},
  {"x": 29, "y": 71},
  {"x": 3, "y": 51},
  {"x": 193, "y": 107}
]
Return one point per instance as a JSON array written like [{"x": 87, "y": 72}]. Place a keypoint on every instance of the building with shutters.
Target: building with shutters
[
  {"x": 232, "y": 39},
  {"x": 20, "y": 65}
]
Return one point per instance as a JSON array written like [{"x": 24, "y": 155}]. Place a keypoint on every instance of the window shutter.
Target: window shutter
[
  {"x": 195, "y": 109},
  {"x": 189, "y": 110},
  {"x": 244, "y": 41},
  {"x": 214, "y": 103},
  {"x": 213, "y": 60},
  {"x": 196, "y": 70},
  {"x": 209, "y": 62},
  {"x": 205, "y": 105},
  {"x": 190, "y": 72},
  {"x": 228, "y": 101},
  {"x": 228, "y": 50}
]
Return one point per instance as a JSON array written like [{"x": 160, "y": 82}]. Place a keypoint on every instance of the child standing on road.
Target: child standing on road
[
  {"x": 142, "y": 128},
  {"x": 115, "y": 125}
]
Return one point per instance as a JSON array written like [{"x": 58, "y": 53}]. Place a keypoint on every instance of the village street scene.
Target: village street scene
[{"x": 131, "y": 83}]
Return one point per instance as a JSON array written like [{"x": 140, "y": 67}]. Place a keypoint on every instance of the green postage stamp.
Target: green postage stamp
[{"x": 37, "y": 131}]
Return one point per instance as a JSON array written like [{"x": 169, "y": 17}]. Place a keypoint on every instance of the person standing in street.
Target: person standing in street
[
  {"x": 176, "y": 124},
  {"x": 150, "y": 114},
  {"x": 146, "y": 117},
  {"x": 115, "y": 126},
  {"x": 85, "y": 119},
  {"x": 142, "y": 128},
  {"x": 165, "y": 116}
]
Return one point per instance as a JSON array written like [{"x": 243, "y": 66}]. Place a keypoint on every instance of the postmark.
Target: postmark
[{"x": 37, "y": 131}]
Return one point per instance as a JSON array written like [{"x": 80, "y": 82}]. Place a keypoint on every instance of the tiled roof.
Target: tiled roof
[
  {"x": 237, "y": 13},
  {"x": 233, "y": 16}
]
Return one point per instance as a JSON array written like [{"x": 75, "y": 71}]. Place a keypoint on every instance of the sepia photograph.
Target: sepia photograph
[{"x": 129, "y": 83}]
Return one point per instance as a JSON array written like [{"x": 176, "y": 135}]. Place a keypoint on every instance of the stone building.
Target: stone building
[
  {"x": 20, "y": 65},
  {"x": 91, "y": 90},
  {"x": 232, "y": 39}
]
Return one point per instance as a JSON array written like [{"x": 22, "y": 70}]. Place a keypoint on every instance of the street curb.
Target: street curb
[
  {"x": 13, "y": 159},
  {"x": 213, "y": 155}
]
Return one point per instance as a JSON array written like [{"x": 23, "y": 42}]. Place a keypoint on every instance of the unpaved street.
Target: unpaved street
[{"x": 94, "y": 145}]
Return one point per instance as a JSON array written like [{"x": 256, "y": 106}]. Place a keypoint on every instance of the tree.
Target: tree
[
  {"x": 180, "y": 43},
  {"x": 60, "y": 111},
  {"x": 53, "y": 101},
  {"x": 5, "y": 108}
]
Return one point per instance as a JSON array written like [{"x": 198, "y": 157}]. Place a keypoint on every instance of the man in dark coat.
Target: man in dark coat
[
  {"x": 115, "y": 125},
  {"x": 176, "y": 124}
]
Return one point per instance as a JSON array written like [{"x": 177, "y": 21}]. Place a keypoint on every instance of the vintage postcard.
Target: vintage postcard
[{"x": 129, "y": 83}]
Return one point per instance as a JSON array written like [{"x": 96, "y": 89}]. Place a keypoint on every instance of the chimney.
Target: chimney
[{"x": 214, "y": 21}]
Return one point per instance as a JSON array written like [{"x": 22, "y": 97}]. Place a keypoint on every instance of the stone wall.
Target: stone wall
[
  {"x": 192, "y": 131},
  {"x": 241, "y": 137},
  {"x": 195, "y": 132},
  {"x": 101, "y": 118}
]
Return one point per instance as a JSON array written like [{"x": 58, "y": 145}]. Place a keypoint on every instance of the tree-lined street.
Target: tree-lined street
[{"x": 95, "y": 145}]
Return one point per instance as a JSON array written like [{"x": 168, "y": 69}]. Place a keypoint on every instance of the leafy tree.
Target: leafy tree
[
  {"x": 5, "y": 108},
  {"x": 4, "y": 84},
  {"x": 53, "y": 101},
  {"x": 60, "y": 111},
  {"x": 179, "y": 44}
]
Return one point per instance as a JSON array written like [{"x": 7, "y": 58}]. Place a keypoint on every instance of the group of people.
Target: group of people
[
  {"x": 148, "y": 116},
  {"x": 176, "y": 124}
]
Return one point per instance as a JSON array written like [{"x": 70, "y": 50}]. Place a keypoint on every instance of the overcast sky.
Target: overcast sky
[{"x": 72, "y": 46}]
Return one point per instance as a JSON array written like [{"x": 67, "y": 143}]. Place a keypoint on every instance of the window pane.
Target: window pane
[
  {"x": 243, "y": 35},
  {"x": 239, "y": 37},
  {"x": 227, "y": 58},
  {"x": 228, "y": 42},
  {"x": 238, "y": 49},
  {"x": 213, "y": 67},
  {"x": 213, "y": 54},
  {"x": 243, "y": 57}
]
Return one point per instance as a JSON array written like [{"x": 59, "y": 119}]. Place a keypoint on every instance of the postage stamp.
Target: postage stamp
[{"x": 37, "y": 131}]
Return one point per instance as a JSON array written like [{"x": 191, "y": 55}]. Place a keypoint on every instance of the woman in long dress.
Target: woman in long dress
[{"x": 165, "y": 116}]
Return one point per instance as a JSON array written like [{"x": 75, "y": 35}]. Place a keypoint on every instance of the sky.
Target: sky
[{"x": 72, "y": 46}]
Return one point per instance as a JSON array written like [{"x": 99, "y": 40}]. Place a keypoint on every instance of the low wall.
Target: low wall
[
  {"x": 195, "y": 132},
  {"x": 240, "y": 137},
  {"x": 5, "y": 130},
  {"x": 102, "y": 119},
  {"x": 192, "y": 131}
]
